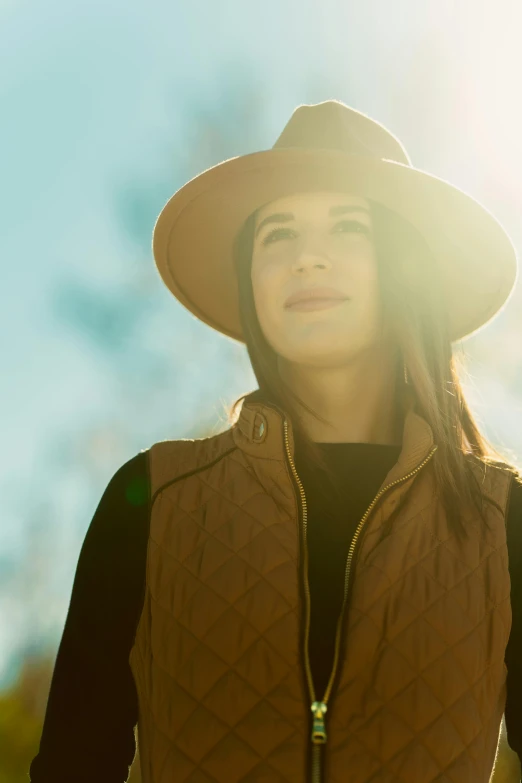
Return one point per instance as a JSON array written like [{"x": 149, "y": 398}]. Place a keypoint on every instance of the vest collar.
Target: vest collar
[{"x": 259, "y": 431}]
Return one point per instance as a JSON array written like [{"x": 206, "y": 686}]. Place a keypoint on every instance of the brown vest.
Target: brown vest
[{"x": 219, "y": 658}]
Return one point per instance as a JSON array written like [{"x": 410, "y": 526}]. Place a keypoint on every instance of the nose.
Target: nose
[{"x": 310, "y": 259}]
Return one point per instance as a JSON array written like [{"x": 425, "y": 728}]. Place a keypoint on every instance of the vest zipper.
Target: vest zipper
[{"x": 319, "y": 736}]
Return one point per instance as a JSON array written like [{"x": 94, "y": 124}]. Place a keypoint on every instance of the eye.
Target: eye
[
  {"x": 352, "y": 225},
  {"x": 355, "y": 226},
  {"x": 275, "y": 234}
]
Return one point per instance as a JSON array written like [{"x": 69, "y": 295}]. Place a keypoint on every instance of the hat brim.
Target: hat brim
[{"x": 194, "y": 233}]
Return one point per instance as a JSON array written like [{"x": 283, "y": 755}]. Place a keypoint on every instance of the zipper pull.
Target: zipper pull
[{"x": 318, "y": 730}]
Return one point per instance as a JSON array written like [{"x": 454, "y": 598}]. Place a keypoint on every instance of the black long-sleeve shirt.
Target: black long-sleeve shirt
[{"x": 92, "y": 709}]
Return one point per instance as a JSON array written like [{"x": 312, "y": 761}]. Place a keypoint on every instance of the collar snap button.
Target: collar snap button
[{"x": 260, "y": 428}]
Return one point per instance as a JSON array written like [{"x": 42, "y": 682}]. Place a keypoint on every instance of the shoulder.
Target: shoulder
[
  {"x": 496, "y": 479},
  {"x": 515, "y": 504},
  {"x": 487, "y": 467},
  {"x": 514, "y": 530},
  {"x": 121, "y": 512},
  {"x": 171, "y": 460},
  {"x": 130, "y": 485}
]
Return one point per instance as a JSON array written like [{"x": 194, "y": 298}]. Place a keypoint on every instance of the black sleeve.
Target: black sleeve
[
  {"x": 92, "y": 708},
  {"x": 513, "y": 657}
]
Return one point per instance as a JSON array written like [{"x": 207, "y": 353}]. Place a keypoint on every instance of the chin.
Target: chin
[{"x": 318, "y": 356}]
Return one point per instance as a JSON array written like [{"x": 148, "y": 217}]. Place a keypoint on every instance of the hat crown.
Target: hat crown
[{"x": 334, "y": 125}]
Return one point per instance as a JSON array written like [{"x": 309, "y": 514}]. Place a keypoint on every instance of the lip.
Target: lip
[
  {"x": 316, "y": 304},
  {"x": 307, "y": 294}
]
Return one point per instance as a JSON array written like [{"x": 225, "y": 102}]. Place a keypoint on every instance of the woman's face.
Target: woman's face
[{"x": 312, "y": 240}]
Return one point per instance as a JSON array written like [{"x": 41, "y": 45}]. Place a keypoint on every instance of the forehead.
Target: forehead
[{"x": 310, "y": 203}]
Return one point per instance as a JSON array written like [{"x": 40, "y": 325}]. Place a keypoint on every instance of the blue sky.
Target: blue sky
[{"x": 101, "y": 103}]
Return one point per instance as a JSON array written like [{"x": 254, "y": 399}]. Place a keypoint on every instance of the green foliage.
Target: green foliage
[
  {"x": 22, "y": 712},
  {"x": 22, "y": 708}
]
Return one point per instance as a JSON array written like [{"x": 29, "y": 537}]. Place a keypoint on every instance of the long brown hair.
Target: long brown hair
[{"x": 415, "y": 315}]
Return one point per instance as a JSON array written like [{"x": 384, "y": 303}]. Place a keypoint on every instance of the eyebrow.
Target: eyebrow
[{"x": 284, "y": 217}]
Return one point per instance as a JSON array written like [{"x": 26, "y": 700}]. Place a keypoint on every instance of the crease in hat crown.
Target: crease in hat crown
[{"x": 336, "y": 126}]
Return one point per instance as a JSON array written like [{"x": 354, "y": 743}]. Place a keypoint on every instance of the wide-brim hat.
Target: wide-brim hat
[{"x": 330, "y": 146}]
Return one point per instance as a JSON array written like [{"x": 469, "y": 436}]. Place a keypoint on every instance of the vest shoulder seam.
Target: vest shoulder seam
[{"x": 191, "y": 472}]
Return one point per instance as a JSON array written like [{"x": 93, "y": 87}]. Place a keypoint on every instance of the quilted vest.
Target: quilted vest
[{"x": 220, "y": 657}]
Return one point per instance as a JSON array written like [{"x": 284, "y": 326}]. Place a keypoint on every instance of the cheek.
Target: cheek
[
  {"x": 367, "y": 281},
  {"x": 371, "y": 296},
  {"x": 267, "y": 284}
]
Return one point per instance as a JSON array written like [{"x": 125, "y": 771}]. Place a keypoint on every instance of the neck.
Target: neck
[{"x": 358, "y": 400}]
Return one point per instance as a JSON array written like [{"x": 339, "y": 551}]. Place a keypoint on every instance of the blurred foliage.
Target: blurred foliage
[{"x": 22, "y": 711}]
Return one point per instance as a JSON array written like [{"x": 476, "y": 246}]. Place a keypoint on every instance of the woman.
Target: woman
[{"x": 329, "y": 589}]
